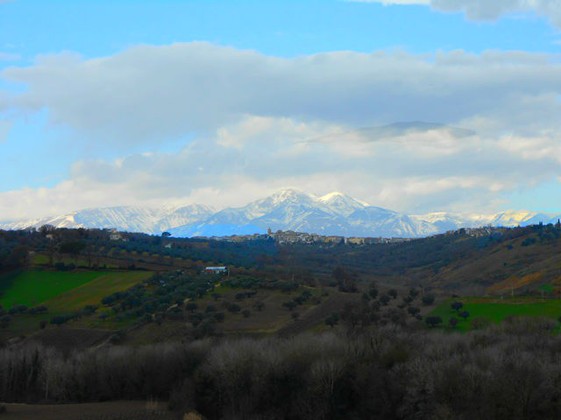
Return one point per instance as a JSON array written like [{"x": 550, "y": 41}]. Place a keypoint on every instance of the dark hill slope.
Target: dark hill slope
[{"x": 476, "y": 262}]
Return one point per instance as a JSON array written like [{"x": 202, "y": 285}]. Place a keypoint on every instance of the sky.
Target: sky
[{"x": 411, "y": 105}]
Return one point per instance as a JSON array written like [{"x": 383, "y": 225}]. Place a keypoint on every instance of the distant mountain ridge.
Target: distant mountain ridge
[
  {"x": 332, "y": 214},
  {"x": 125, "y": 218}
]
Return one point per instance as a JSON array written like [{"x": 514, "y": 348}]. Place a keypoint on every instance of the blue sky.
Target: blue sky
[{"x": 141, "y": 102}]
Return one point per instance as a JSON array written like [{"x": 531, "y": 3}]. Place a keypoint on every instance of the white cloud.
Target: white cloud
[
  {"x": 487, "y": 9},
  {"x": 152, "y": 94}
]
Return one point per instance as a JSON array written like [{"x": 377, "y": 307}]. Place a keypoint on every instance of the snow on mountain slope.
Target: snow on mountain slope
[
  {"x": 508, "y": 218},
  {"x": 512, "y": 218},
  {"x": 64, "y": 221},
  {"x": 450, "y": 221},
  {"x": 341, "y": 204},
  {"x": 182, "y": 216},
  {"x": 387, "y": 223},
  {"x": 132, "y": 219},
  {"x": 125, "y": 218}
]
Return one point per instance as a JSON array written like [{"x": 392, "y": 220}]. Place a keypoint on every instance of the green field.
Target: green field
[
  {"x": 64, "y": 291},
  {"x": 496, "y": 310},
  {"x": 32, "y": 288}
]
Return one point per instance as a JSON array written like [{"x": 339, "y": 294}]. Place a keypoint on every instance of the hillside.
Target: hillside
[{"x": 83, "y": 279}]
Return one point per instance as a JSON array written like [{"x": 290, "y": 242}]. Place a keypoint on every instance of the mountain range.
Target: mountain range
[{"x": 331, "y": 214}]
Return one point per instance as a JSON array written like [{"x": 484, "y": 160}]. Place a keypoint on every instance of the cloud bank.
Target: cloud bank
[
  {"x": 152, "y": 94},
  {"x": 252, "y": 123}
]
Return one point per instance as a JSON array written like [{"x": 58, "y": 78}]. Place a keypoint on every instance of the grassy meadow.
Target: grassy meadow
[
  {"x": 484, "y": 310},
  {"x": 34, "y": 287}
]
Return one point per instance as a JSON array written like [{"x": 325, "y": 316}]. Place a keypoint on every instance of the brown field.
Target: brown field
[
  {"x": 153, "y": 333},
  {"x": 508, "y": 264},
  {"x": 114, "y": 410},
  {"x": 68, "y": 339},
  {"x": 515, "y": 282}
]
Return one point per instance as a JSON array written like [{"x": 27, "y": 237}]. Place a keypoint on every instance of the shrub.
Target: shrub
[
  {"x": 332, "y": 320},
  {"x": 433, "y": 321},
  {"x": 428, "y": 300},
  {"x": 234, "y": 307},
  {"x": 413, "y": 311}
]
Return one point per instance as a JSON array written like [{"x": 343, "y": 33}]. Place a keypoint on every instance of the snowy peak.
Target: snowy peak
[
  {"x": 342, "y": 204},
  {"x": 283, "y": 198},
  {"x": 289, "y": 195},
  {"x": 335, "y": 195}
]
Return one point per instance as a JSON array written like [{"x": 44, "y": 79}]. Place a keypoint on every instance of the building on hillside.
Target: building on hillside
[
  {"x": 333, "y": 239},
  {"x": 360, "y": 240},
  {"x": 216, "y": 270},
  {"x": 115, "y": 235}
]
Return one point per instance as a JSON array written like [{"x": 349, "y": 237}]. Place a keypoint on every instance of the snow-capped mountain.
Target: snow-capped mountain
[
  {"x": 332, "y": 214},
  {"x": 340, "y": 214},
  {"x": 124, "y": 218}
]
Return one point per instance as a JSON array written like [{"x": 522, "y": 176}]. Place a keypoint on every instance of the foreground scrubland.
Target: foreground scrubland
[{"x": 511, "y": 371}]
